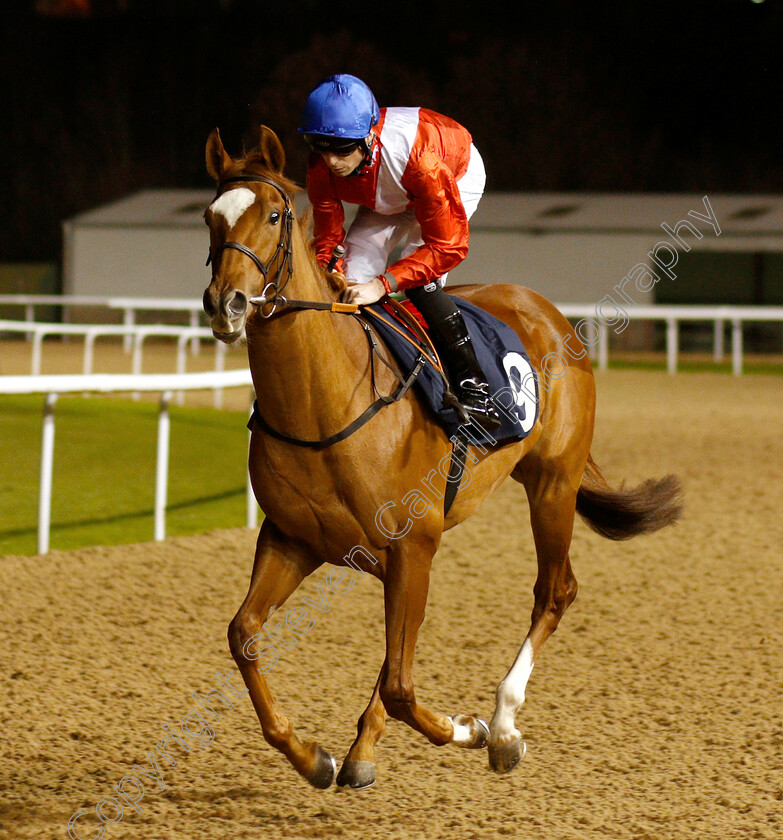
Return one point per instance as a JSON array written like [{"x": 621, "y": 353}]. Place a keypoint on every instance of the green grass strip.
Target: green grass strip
[{"x": 104, "y": 471}]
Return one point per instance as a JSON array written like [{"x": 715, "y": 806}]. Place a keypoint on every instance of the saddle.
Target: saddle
[
  {"x": 504, "y": 360},
  {"x": 500, "y": 352}
]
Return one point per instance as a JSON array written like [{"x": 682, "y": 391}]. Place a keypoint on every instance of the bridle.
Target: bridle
[
  {"x": 283, "y": 252},
  {"x": 285, "y": 269},
  {"x": 283, "y": 255}
]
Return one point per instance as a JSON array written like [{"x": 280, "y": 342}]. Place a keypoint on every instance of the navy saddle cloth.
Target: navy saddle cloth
[{"x": 504, "y": 360}]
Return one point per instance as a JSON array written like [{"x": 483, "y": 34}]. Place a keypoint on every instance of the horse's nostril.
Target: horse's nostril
[
  {"x": 237, "y": 305},
  {"x": 209, "y": 305}
]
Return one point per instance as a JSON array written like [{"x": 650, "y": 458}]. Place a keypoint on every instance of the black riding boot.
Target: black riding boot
[{"x": 452, "y": 340}]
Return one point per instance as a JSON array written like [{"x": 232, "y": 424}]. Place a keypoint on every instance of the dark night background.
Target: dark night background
[{"x": 646, "y": 97}]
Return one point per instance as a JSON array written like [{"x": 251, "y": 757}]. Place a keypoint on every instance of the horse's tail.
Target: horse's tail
[{"x": 622, "y": 514}]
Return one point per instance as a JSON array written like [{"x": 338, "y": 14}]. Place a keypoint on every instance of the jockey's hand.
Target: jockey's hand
[{"x": 364, "y": 293}]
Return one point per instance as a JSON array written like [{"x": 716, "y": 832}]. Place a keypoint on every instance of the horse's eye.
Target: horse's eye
[{"x": 274, "y": 218}]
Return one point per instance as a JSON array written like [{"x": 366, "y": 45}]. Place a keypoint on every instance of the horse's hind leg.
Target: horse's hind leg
[
  {"x": 280, "y": 566},
  {"x": 552, "y": 505}
]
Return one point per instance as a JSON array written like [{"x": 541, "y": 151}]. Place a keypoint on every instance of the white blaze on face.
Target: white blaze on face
[{"x": 232, "y": 204}]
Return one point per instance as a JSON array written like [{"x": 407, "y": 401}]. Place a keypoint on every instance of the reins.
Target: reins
[
  {"x": 367, "y": 415},
  {"x": 279, "y": 302}
]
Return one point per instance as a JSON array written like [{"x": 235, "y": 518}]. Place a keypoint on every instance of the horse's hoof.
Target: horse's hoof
[
  {"x": 503, "y": 758},
  {"x": 324, "y": 770},
  {"x": 470, "y": 732},
  {"x": 356, "y": 775}
]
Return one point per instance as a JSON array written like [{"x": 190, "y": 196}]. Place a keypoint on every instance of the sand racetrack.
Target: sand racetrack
[{"x": 654, "y": 712}]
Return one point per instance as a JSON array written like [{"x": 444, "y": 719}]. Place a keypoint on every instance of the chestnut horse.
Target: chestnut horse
[{"x": 314, "y": 376}]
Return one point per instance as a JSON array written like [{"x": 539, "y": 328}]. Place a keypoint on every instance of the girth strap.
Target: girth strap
[{"x": 459, "y": 453}]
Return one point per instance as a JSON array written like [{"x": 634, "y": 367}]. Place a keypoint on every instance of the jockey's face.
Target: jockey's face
[{"x": 342, "y": 165}]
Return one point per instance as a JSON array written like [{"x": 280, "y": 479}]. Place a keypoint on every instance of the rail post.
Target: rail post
[
  {"x": 736, "y": 346},
  {"x": 672, "y": 342},
  {"x": 252, "y": 504},
  {"x": 47, "y": 464},
  {"x": 162, "y": 465}
]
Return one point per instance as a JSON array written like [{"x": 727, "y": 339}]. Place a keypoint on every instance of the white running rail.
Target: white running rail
[
  {"x": 129, "y": 306},
  {"x": 165, "y": 384},
  {"x": 672, "y": 315},
  {"x": 137, "y": 334}
]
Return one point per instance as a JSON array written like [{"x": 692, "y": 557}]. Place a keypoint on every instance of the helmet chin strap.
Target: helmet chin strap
[{"x": 368, "y": 153}]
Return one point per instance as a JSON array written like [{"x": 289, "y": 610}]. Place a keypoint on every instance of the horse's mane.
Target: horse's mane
[{"x": 335, "y": 283}]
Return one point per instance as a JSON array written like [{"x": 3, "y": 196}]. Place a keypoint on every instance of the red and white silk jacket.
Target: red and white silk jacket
[{"x": 417, "y": 159}]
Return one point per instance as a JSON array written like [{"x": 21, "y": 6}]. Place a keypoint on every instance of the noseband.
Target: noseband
[{"x": 283, "y": 251}]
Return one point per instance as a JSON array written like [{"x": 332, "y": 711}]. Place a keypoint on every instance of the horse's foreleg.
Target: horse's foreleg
[
  {"x": 405, "y": 594},
  {"x": 358, "y": 768},
  {"x": 280, "y": 566},
  {"x": 552, "y": 505}
]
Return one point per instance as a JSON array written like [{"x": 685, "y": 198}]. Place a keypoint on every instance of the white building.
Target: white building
[
  {"x": 570, "y": 247},
  {"x": 153, "y": 243}
]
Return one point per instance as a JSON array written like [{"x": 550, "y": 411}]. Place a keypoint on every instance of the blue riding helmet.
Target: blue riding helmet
[{"x": 342, "y": 107}]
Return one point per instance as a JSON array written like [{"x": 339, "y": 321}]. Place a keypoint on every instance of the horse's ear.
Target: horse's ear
[
  {"x": 272, "y": 149},
  {"x": 218, "y": 159}
]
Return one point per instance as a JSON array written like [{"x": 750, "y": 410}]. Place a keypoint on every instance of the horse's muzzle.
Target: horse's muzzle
[{"x": 226, "y": 312}]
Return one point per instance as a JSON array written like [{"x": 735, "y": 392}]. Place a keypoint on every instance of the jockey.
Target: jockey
[{"x": 415, "y": 175}]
